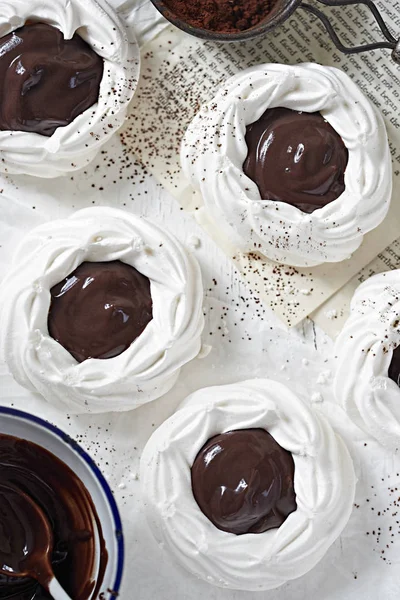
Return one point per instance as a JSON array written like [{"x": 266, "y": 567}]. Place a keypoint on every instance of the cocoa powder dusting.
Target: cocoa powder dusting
[{"x": 223, "y": 16}]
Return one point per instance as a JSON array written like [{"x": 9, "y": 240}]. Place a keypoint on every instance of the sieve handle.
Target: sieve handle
[{"x": 391, "y": 43}]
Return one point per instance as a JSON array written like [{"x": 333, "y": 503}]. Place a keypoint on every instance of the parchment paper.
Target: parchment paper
[{"x": 332, "y": 315}]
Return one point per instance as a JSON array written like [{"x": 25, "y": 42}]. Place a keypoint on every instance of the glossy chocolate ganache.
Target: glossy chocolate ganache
[
  {"x": 394, "y": 369},
  {"x": 297, "y": 158},
  {"x": 69, "y": 510},
  {"x": 100, "y": 309},
  {"x": 243, "y": 481},
  {"x": 45, "y": 80}
]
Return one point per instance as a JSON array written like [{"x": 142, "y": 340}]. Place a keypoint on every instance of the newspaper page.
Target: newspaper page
[{"x": 180, "y": 73}]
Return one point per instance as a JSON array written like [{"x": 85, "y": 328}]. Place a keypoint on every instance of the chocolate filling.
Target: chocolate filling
[
  {"x": 297, "y": 158},
  {"x": 394, "y": 369},
  {"x": 243, "y": 481},
  {"x": 45, "y": 80},
  {"x": 69, "y": 509},
  {"x": 100, "y": 309}
]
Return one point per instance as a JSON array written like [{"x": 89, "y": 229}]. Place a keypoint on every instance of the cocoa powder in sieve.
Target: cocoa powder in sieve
[{"x": 223, "y": 16}]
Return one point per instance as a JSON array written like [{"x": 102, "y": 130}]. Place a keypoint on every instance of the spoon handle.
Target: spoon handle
[{"x": 56, "y": 591}]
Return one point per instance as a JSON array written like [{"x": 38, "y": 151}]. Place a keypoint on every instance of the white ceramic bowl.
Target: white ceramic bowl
[{"x": 29, "y": 427}]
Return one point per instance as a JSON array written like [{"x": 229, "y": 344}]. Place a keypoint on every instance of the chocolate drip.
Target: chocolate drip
[
  {"x": 394, "y": 369},
  {"x": 243, "y": 481},
  {"x": 297, "y": 158},
  {"x": 100, "y": 309},
  {"x": 45, "y": 80},
  {"x": 26, "y": 540},
  {"x": 68, "y": 507}
]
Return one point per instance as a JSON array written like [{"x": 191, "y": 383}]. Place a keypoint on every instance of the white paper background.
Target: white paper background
[{"x": 247, "y": 341}]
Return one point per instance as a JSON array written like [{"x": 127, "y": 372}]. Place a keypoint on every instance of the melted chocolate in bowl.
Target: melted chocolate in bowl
[
  {"x": 297, "y": 158},
  {"x": 243, "y": 481},
  {"x": 69, "y": 509},
  {"x": 45, "y": 80},
  {"x": 394, "y": 369},
  {"x": 100, "y": 309}
]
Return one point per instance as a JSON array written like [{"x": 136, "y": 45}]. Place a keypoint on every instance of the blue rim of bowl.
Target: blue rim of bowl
[{"x": 99, "y": 476}]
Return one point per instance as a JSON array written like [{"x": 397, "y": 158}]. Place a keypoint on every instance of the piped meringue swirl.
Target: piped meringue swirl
[
  {"x": 75, "y": 145},
  {"x": 214, "y": 151},
  {"x": 151, "y": 364},
  {"x": 324, "y": 483},
  {"x": 364, "y": 352}
]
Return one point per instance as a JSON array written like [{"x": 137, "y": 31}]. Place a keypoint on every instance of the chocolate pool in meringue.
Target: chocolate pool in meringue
[
  {"x": 46, "y": 81},
  {"x": 243, "y": 481},
  {"x": 69, "y": 509},
  {"x": 394, "y": 369},
  {"x": 297, "y": 158},
  {"x": 100, "y": 309}
]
